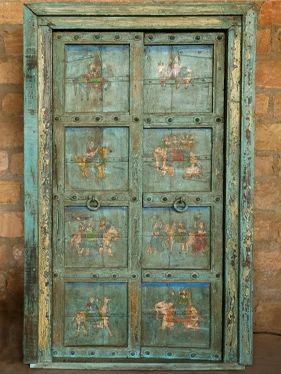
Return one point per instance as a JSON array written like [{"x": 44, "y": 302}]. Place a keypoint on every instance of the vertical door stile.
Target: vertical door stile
[
  {"x": 217, "y": 188},
  {"x": 135, "y": 213},
  {"x": 58, "y": 195},
  {"x": 232, "y": 140},
  {"x": 45, "y": 190}
]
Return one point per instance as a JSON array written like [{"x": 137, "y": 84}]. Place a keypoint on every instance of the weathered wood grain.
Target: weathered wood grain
[
  {"x": 132, "y": 23},
  {"x": 232, "y": 196},
  {"x": 30, "y": 340},
  {"x": 45, "y": 192},
  {"x": 176, "y": 8},
  {"x": 247, "y": 189}
]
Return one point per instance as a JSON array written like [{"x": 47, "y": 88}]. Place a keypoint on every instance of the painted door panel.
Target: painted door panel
[
  {"x": 173, "y": 240},
  {"x": 138, "y": 186},
  {"x": 97, "y": 157},
  {"x": 177, "y": 160},
  {"x": 95, "y": 314},
  {"x": 96, "y": 239},
  {"x": 178, "y": 78},
  {"x": 175, "y": 314},
  {"x": 95, "y": 75}
]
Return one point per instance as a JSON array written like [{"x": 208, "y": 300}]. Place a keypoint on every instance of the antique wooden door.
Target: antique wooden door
[
  {"x": 139, "y": 144},
  {"x": 138, "y": 141}
]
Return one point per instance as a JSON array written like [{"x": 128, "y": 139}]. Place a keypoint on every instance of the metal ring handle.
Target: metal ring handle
[
  {"x": 92, "y": 203},
  {"x": 180, "y": 205}
]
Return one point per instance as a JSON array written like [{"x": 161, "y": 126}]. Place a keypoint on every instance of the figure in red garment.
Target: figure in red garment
[{"x": 199, "y": 238}]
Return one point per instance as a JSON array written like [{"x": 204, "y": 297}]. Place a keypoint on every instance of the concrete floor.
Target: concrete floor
[{"x": 267, "y": 357}]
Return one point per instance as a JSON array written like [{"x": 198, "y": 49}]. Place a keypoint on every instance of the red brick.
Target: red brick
[
  {"x": 2, "y": 280},
  {"x": 268, "y": 193},
  {"x": 11, "y": 224},
  {"x": 10, "y": 192},
  {"x": 268, "y": 137},
  {"x": 16, "y": 166},
  {"x": 11, "y": 71},
  {"x": 13, "y": 39},
  {"x": 6, "y": 258},
  {"x": 268, "y": 74},
  {"x": 270, "y": 13},
  {"x": 18, "y": 254},
  {"x": 11, "y": 12},
  {"x": 268, "y": 228},
  {"x": 276, "y": 41},
  {"x": 267, "y": 316},
  {"x": 11, "y": 134},
  {"x": 262, "y": 103},
  {"x": 15, "y": 282},
  {"x": 277, "y": 105},
  {"x": 12, "y": 103},
  {"x": 264, "y": 41},
  {"x": 264, "y": 166},
  {"x": 267, "y": 260},
  {"x": 4, "y": 161}
]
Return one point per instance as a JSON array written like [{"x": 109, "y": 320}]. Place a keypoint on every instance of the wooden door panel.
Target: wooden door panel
[
  {"x": 95, "y": 75},
  {"x": 96, "y": 314},
  {"x": 173, "y": 240},
  {"x": 177, "y": 160},
  {"x": 96, "y": 239},
  {"x": 178, "y": 78},
  {"x": 96, "y": 158},
  {"x": 176, "y": 314}
]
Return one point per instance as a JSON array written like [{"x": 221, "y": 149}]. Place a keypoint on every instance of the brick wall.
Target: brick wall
[{"x": 268, "y": 165}]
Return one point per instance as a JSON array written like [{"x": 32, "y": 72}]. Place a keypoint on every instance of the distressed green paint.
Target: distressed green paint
[
  {"x": 175, "y": 8},
  {"x": 232, "y": 196},
  {"x": 44, "y": 192},
  {"x": 30, "y": 188},
  {"x": 247, "y": 188},
  {"x": 97, "y": 156}
]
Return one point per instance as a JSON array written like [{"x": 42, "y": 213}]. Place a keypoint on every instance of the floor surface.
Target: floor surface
[{"x": 267, "y": 356}]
